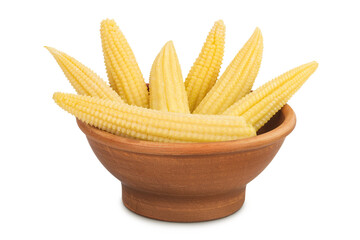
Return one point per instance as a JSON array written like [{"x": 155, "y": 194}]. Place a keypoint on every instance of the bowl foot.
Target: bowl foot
[{"x": 182, "y": 208}]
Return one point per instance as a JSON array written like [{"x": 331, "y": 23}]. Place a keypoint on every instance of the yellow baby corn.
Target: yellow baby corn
[
  {"x": 85, "y": 81},
  {"x": 260, "y": 105},
  {"x": 237, "y": 79},
  {"x": 205, "y": 70},
  {"x": 148, "y": 124},
  {"x": 123, "y": 71},
  {"x": 167, "y": 90}
]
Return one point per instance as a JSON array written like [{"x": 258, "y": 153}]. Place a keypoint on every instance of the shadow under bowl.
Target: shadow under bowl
[{"x": 188, "y": 182}]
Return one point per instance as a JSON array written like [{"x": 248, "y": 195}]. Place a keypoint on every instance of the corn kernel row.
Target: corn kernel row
[
  {"x": 260, "y": 105},
  {"x": 83, "y": 79},
  {"x": 237, "y": 79},
  {"x": 123, "y": 71},
  {"x": 206, "y": 68},
  {"x": 167, "y": 90},
  {"x": 147, "y": 124}
]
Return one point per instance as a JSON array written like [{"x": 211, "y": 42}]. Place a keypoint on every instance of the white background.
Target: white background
[{"x": 53, "y": 187}]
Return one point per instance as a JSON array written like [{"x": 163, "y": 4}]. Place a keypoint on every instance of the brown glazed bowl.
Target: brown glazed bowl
[{"x": 188, "y": 182}]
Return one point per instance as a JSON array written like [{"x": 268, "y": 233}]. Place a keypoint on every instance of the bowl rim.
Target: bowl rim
[{"x": 159, "y": 148}]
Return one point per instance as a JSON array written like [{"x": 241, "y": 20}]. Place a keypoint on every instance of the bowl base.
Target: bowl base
[{"x": 182, "y": 208}]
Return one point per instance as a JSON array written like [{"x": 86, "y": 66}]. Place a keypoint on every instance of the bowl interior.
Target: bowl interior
[{"x": 273, "y": 123}]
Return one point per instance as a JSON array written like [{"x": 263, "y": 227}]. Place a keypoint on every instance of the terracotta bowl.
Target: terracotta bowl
[{"x": 188, "y": 182}]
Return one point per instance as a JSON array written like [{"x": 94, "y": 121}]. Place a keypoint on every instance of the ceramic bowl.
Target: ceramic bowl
[{"x": 188, "y": 182}]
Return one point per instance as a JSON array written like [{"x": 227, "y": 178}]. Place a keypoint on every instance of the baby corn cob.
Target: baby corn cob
[
  {"x": 237, "y": 79},
  {"x": 85, "y": 81},
  {"x": 123, "y": 71},
  {"x": 167, "y": 90},
  {"x": 154, "y": 125},
  {"x": 205, "y": 70},
  {"x": 260, "y": 105}
]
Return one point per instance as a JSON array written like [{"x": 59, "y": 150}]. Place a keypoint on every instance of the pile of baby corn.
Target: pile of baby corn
[{"x": 204, "y": 108}]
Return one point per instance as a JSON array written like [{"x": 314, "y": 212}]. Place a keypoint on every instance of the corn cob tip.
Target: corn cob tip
[
  {"x": 107, "y": 21},
  {"x": 310, "y": 65},
  {"x": 55, "y": 95},
  {"x": 53, "y": 51},
  {"x": 257, "y": 35},
  {"x": 217, "y": 28},
  {"x": 169, "y": 44},
  {"x": 316, "y": 64},
  {"x": 257, "y": 31},
  {"x": 108, "y": 24},
  {"x": 219, "y": 22},
  {"x": 50, "y": 49},
  {"x": 58, "y": 97},
  {"x": 61, "y": 100},
  {"x": 313, "y": 65}
]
